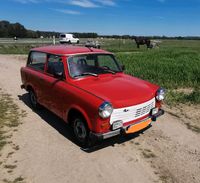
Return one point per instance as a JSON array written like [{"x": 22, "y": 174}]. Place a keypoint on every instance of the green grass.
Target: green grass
[
  {"x": 119, "y": 45},
  {"x": 169, "y": 68},
  {"x": 148, "y": 153},
  {"x": 175, "y": 65},
  {"x": 19, "y": 179},
  {"x": 10, "y": 117},
  {"x": 10, "y": 166},
  {"x": 16, "y": 48},
  {"x": 180, "y": 97}
]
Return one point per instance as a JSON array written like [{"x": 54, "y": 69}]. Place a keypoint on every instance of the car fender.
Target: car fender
[
  {"x": 28, "y": 86},
  {"x": 83, "y": 112}
]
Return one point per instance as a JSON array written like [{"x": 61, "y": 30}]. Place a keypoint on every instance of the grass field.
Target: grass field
[{"x": 174, "y": 65}]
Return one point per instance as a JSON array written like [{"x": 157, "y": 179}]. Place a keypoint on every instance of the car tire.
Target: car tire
[
  {"x": 33, "y": 100},
  {"x": 81, "y": 132}
]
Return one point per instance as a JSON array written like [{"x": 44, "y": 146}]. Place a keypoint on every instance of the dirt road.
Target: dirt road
[{"x": 166, "y": 152}]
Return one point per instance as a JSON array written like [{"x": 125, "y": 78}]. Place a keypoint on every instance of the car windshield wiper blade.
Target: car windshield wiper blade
[
  {"x": 110, "y": 71},
  {"x": 87, "y": 74}
]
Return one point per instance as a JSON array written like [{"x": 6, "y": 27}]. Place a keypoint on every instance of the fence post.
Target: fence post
[{"x": 54, "y": 40}]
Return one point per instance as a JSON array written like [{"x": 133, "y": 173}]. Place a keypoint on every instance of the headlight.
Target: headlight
[
  {"x": 105, "y": 110},
  {"x": 160, "y": 95}
]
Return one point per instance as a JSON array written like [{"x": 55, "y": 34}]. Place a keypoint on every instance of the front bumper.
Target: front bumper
[{"x": 121, "y": 131}]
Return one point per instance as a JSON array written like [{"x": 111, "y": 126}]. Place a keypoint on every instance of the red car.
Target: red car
[{"x": 87, "y": 88}]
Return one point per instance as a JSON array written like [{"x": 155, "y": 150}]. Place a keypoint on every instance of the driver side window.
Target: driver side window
[{"x": 55, "y": 65}]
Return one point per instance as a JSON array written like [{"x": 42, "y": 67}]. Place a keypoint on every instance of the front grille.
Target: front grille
[
  {"x": 144, "y": 110},
  {"x": 132, "y": 112}
]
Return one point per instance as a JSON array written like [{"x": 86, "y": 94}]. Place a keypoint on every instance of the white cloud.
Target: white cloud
[
  {"x": 26, "y": 1},
  {"x": 71, "y": 12},
  {"x": 92, "y": 3},
  {"x": 83, "y": 3},
  {"x": 80, "y": 3},
  {"x": 106, "y": 2}
]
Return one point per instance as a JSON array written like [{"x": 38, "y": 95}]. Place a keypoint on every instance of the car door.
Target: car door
[{"x": 54, "y": 86}]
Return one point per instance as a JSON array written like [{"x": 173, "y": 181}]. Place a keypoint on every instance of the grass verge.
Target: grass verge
[
  {"x": 10, "y": 116},
  {"x": 174, "y": 97},
  {"x": 17, "y": 180}
]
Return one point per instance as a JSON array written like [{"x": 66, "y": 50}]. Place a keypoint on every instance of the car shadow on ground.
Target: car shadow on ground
[
  {"x": 65, "y": 130},
  {"x": 114, "y": 140}
]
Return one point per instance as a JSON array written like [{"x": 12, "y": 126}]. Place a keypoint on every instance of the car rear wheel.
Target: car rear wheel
[
  {"x": 80, "y": 131},
  {"x": 33, "y": 100}
]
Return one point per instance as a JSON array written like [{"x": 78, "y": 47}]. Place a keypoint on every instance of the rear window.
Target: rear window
[
  {"x": 62, "y": 36},
  {"x": 37, "y": 60}
]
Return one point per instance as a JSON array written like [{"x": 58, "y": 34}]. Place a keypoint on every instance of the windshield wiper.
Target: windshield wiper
[
  {"x": 110, "y": 71},
  {"x": 87, "y": 74}
]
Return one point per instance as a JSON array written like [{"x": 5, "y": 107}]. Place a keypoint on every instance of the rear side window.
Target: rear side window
[
  {"x": 37, "y": 60},
  {"x": 62, "y": 36}
]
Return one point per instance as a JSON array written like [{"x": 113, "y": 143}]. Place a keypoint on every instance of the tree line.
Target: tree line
[{"x": 11, "y": 30}]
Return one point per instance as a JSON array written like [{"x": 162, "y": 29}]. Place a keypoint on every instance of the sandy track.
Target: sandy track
[{"x": 167, "y": 152}]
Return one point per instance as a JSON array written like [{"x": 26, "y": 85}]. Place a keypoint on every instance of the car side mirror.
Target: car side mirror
[
  {"x": 58, "y": 75},
  {"x": 123, "y": 67}
]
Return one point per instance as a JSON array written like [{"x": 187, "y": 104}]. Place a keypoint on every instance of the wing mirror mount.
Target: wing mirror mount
[
  {"x": 123, "y": 67},
  {"x": 58, "y": 75}
]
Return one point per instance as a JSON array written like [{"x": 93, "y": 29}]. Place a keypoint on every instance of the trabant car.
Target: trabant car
[{"x": 88, "y": 89}]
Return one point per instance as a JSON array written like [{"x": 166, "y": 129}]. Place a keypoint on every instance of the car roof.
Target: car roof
[{"x": 68, "y": 50}]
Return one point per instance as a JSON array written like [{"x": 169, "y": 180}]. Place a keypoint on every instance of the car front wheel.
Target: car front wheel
[{"x": 80, "y": 131}]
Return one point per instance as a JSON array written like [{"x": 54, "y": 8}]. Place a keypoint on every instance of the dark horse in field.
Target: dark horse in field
[{"x": 142, "y": 41}]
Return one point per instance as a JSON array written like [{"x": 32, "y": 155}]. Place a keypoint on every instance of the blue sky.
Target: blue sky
[{"x": 134, "y": 17}]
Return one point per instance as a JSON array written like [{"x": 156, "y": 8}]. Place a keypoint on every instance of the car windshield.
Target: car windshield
[{"x": 92, "y": 64}]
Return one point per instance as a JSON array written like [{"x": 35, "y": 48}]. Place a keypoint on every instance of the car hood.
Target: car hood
[{"x": 120, "y": 89}]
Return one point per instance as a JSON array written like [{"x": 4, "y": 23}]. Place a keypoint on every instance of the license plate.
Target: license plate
[{"x": 139, "y": 126}]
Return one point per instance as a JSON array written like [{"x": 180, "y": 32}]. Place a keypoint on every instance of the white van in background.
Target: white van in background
[{"x": 68, "y": 38}]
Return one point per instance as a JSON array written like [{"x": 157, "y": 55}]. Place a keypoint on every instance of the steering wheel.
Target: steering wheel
[
  {"x": 106, "y": 67},
  {"x": 82, "y": 61}
]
